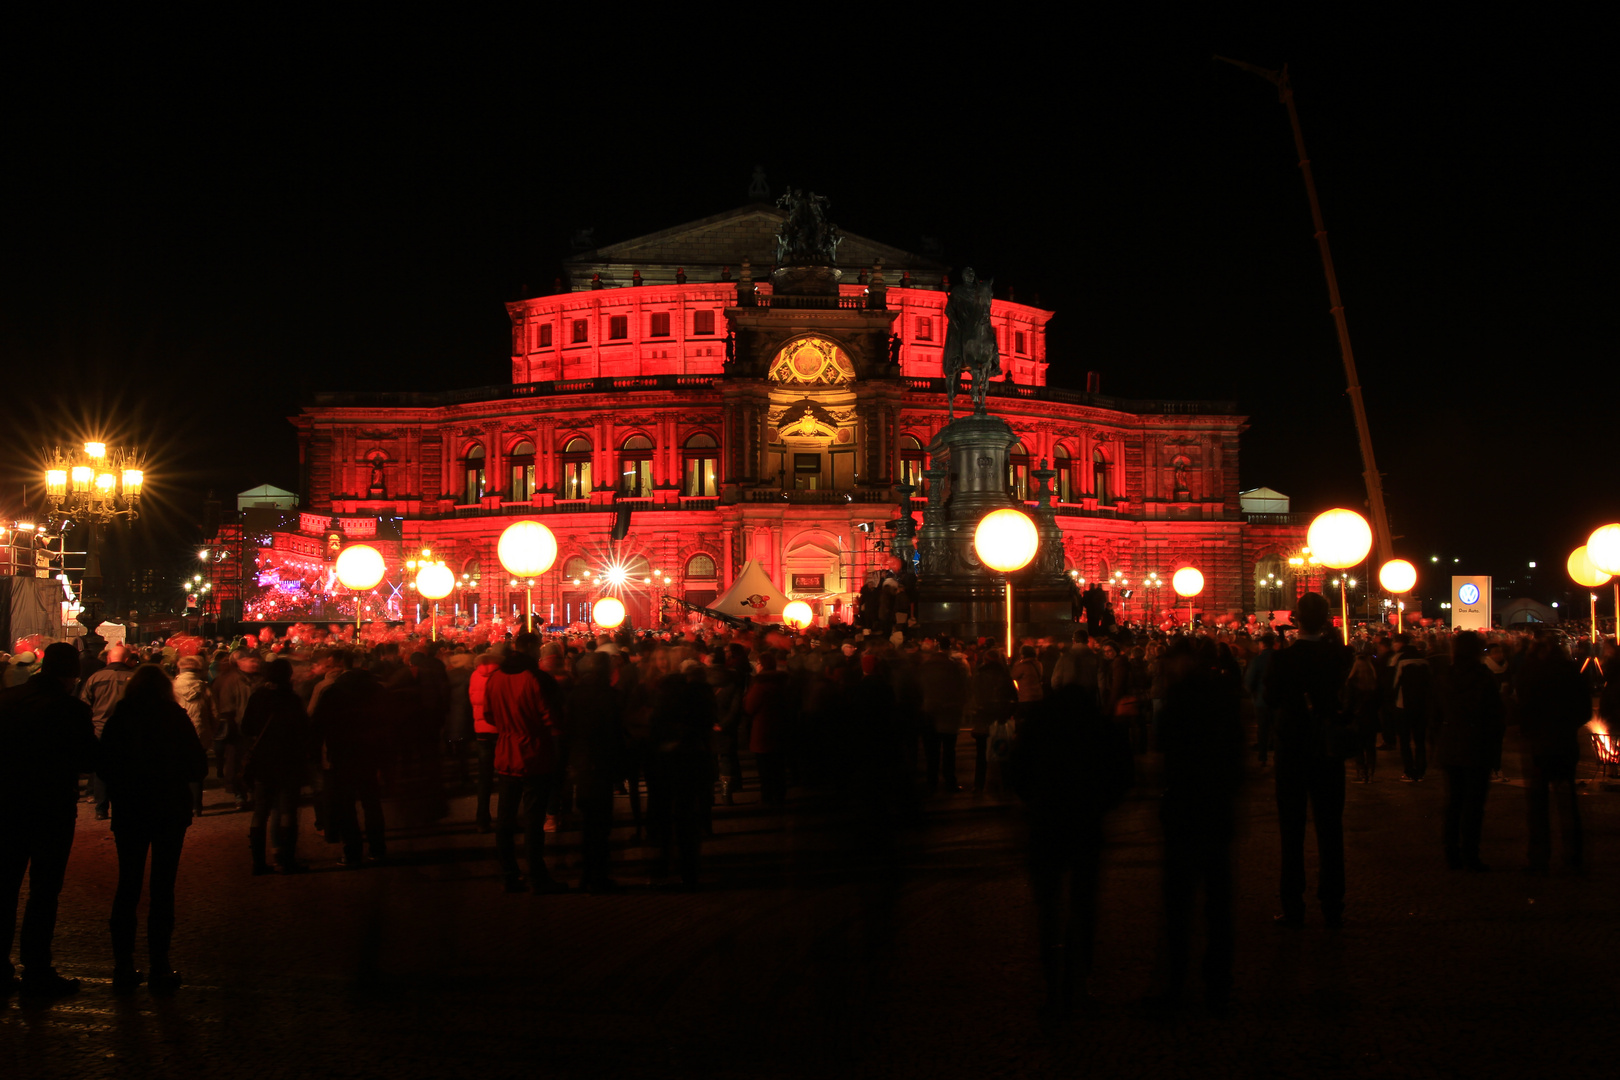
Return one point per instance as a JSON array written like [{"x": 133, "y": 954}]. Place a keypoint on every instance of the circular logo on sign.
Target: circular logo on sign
[{"x": 1469, "y": 593}]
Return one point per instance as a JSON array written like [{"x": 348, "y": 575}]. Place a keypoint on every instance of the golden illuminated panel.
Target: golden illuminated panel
[{"x": 812, "y": 360}]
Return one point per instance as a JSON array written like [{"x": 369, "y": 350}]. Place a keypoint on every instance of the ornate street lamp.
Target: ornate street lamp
[
  {"x": 526, "y": 550},
  {"x": 1340, "y": 539},
  {"x": 1188, "y": 583},
  {"x": 1397, "y": 577},
  {"x": 93, "y": 486},
  {"x": 1005, "y": 541}
]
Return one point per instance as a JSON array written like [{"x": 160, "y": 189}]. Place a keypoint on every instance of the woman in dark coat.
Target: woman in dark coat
[
  {"x": 276, "y": 730},
  {"x": 149, "y": 757},
  {"x": 1469, "y": 747}
]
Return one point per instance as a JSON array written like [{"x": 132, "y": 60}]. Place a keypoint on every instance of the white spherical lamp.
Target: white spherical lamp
[
  {"x": 1006, "y": 540},
  {"x": 434, "y": 581},
  {"x": 1339, "y": 538},
  {"x": 798, "y": 615},
  {"x": 1603, "y": 548},
  {"x": 360, "y": 567},
  {"x": 608, "y": 612},
  {"x": 1583, "y": 572},
  {"x": 1188, "y": 581},
  {"x": 1397, "y": 576},
  {"x": 526, "y": 549}
]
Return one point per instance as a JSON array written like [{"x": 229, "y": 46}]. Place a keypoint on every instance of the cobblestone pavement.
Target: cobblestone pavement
[{"x": 793, "y": 962}]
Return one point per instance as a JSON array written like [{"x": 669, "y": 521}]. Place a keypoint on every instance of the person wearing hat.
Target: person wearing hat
[
  {"x": 46, "y": 742},
  {"x": 102, "y": 692},
  {"x": 20, "y": 668}
]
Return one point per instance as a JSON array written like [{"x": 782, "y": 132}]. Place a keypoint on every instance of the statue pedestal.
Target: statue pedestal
[{"x": 956, "y": 595}]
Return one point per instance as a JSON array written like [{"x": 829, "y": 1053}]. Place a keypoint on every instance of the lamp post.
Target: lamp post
[
  {"x": 526, "y": 550},
  {"x": 1188, "y": 583},
  {"x": 1339, "y": 539},
  {"x": 359, "y": 568},
  {"x": 95, "y": 486},
  {"x": 1603, "y": 548},
  {"x": 1121, "y": 584},
  {"x": 1584, "y": 573},
  {"x": 1397, "y": 577},
  {"x": 1005, "y": 541},
  {"x": 1152, "y": 583},
  {"x": 434, "y": 582}
]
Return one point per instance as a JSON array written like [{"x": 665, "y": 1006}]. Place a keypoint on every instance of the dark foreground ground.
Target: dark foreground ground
[{"x": 794, "y": 961}]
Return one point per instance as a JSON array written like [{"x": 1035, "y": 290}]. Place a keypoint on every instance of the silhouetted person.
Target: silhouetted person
[
  {"x": 1070, "y": 766},
  {"x": 1469, "y": 747},
  {"x": 46, "y": 742},
  {"x": 680, "y": 773},
  {"x": 347, "y": 724},
  {"x": 1413, "y": 690},
  {"x": 149, "y": 756},
  {"x": 1553, "y": 707},
  {"x": 596, "y": 719},
  {"x": 276, "y": 733},
  {"x": 1201, "y": 736},
  {"x": 1304, "y": 689}
]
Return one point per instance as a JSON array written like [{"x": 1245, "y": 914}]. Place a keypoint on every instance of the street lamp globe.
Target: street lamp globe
[
  {"x": 1005, "y": 540},
  {"x": 527, "y": 549},
  {"x": 1397, "y": 576},
  {"x": 608, "y": 612},
  {"x": 1583, "y": 572},
  {"x": 1603, "y": 548},
  {"x": 1188, "y": 581},
  {"x": 798, "y": 615},
  {"x": 435, "y": 581},
  {"x": 1339, "y": 538},
  {"x": 360, "y": 567}
]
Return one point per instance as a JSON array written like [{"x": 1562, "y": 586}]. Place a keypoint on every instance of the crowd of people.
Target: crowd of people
[{"x": 547, "y": 732}]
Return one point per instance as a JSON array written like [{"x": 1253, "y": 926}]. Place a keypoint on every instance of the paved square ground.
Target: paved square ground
[{"x": 821, "y": 946}]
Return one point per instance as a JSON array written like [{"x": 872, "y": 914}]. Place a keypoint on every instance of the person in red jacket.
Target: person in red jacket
[
  {"x": 522, "y": 704},
  {"x": 484, "y": 736}
]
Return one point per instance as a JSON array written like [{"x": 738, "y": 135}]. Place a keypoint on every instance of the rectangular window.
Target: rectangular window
[
  {"x": 925, "y": 328},
  {"x": 807, "y": 472},
  {"x": 702, "y": 322},
  {"x": 576, "y": 480},
  {"x": 545, "y": 336},
  {"x": 1018, "y": 343},
  {"x": 582, "y": 331},
  {"x": 522, "y": 483},
  {"x": 700, "y": 476},
  {"x": 660, "y": 324},
  {"x": 475, "y": 485},
  {"x": 618, "y": 327}
]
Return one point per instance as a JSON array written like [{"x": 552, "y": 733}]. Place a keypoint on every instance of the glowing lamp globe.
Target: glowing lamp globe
[
  {"x": 1583, "y": 572},
  {"x": 608, "y": 612},
  {"x": 434, "y": 581},
  {"x": 1339, "y": 538},
  {"x": 1188, "y": 581},
  {"x": 527, "y": 549},
  {"x": 1603, "y": 548},
  {"x": 360, "y": 567},
  {"x": 1397, "y": 576},
  {"x": 798, "y": 615},
  {"x": 1005, "y": 540}
]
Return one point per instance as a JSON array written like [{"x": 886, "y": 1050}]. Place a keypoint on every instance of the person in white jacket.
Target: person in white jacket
[{"x": 191, "y": 691}]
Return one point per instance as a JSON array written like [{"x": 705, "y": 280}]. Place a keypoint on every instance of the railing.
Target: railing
[
  {"x": 700, "y": 502},
  {"x": 1277, "y": 519},
  {"x": 814, "y": 498},
  {"x": 824, "y": 303},
  {"x": 554, "y": 388},
  {"x": 1149, "y": 407}
]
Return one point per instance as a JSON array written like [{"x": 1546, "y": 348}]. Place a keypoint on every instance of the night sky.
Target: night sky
[{"x": 197, "y": 235}]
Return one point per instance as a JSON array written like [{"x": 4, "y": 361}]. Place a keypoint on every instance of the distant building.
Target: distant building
[{"x": 733, "y": 421}]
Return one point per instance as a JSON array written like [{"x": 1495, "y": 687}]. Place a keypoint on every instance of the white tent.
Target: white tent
[
  {"x": 752, "y": 596},
  {"x": 1263, "y": 500}
]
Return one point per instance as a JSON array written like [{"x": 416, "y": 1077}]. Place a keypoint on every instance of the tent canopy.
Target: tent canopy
[
  {"x": 1525, "y": 610},
  {"x": 752, "y": 596},
  {"x": 1263, "y": 500}
]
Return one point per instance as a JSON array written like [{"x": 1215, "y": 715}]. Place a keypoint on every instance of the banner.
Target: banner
[{"x": 1471, "y": 603}]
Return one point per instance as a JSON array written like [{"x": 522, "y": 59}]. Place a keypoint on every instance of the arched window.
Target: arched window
[
  {"x": 636, "y": 569},
  {"x": 701, "y": 458},
  {"x": 1065, "y": 473},
  {"x": 574, "y": 568},
  {"x": 1099, "y": 479},
  {"x": 913, "y": 459},
  {"x": 1018, "y": 471},
  {"x": 700, "y": 567},
  {"x": 635, "y": 467},
  {"x": 522, "y": 467},
  {"x": 472, "y": 468},
  {"x": 576, "y": 468}
]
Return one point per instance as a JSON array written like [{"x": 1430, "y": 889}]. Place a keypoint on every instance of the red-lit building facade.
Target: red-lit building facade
[{"x": 669, "y": 379}]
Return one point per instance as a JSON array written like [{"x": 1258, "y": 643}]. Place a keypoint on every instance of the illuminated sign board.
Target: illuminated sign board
[{"x": 1471, "y": 603}]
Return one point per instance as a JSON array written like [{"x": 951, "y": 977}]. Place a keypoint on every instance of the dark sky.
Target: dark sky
[{"x": 205, "y": 223}]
